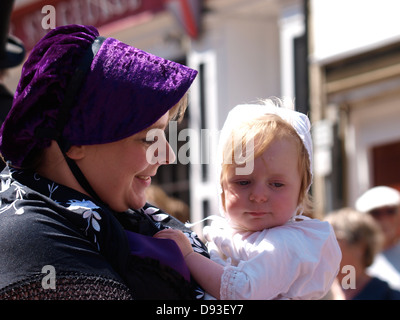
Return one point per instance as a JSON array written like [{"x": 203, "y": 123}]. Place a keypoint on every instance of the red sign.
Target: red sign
[{"x": 187, "y": 12}]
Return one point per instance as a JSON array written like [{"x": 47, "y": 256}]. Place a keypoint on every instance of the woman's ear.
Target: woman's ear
[{"x": 76, "y": 152}]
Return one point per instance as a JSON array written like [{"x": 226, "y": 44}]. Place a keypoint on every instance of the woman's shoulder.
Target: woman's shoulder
[
  {"x": 41, "y": 250},
  {"x": 36, "y": 234}
]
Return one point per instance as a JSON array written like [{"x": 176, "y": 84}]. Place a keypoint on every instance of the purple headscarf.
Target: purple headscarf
[{"x": 125, "y": 91}]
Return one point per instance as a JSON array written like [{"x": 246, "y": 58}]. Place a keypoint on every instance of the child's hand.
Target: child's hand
[{"x": 179, "y": 237}]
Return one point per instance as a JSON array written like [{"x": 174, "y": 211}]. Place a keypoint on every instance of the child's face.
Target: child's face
[{"x": 268, "y": 197}]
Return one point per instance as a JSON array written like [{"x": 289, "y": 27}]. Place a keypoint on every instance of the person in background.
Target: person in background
[
  {"x": 382, "y": 203},
  {"x": 360, "y": 240},
  {"x": 12, "y": 53},
  {"x": 264, "y": 247},
  {"x": 74, "y": 222}
]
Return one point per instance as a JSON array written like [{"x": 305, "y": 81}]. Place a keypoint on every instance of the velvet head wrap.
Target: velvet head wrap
[{"x": 124, "y": 91}]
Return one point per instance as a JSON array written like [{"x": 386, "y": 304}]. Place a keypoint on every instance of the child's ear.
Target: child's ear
[{"x": 76, "y": 152}]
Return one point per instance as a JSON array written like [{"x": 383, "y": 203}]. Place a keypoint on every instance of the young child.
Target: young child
[{"x": 264, "y": 247}]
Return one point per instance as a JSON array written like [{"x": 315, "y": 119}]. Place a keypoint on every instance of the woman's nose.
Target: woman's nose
[
  {"x": 160, "y": 152},
  {"x": 166, "y": 154},
  {"x": 170, "y": 154}
]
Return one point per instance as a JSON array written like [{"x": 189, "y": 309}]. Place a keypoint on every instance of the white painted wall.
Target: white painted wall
[{"x": 345, "y": 27}]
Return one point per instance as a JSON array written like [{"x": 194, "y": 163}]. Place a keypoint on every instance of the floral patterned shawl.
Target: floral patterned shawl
[{"x": 43, "y": 223}]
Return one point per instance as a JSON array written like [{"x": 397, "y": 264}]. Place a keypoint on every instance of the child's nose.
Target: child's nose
[{"x": 259, "y": 194}]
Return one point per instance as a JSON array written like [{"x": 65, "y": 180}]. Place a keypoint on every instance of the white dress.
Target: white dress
[{"x": 298, "y": 260}]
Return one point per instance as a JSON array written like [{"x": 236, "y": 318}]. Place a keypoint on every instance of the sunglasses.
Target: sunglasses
[{"x": 389, "y": 211}]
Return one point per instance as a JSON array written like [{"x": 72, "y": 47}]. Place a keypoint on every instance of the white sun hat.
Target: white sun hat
[{"x": 378, "y": 197}]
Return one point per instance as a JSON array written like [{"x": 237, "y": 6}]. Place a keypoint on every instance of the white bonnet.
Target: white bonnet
[{"x": 247, "y": 112}]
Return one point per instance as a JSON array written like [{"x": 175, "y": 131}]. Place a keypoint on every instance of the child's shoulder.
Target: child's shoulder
[
  {"x": 306, "y": 224},
  {"x": 300, "y": 230}
]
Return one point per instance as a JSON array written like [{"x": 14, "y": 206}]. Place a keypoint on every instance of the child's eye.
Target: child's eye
[
  {"x": 277, "y": 185},
  {"x": 243, "y": 182}
]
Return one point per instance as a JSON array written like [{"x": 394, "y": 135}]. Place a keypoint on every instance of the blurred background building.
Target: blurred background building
[
  {"x": 355, "y": 98},
  {"x": 339, "y": 58}
]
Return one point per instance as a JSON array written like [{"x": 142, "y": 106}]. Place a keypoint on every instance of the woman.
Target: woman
[
  {"x": 74, "y": 223},
  {"x": 360, "y": 239}
]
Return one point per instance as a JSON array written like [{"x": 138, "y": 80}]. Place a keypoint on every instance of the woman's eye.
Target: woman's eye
[
  {"x": 153, "y": 136},
  {"x": 150, "y": 140}
]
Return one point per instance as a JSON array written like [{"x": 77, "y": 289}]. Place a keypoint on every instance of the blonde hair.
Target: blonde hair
[
  {"x": 177, "y": 112},
  {"x": 262, "y": 131},
  {"x": 357, "y": 228}
]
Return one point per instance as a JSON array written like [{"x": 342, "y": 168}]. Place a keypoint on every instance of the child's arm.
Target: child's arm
[{"x": 206, "y": 272}]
